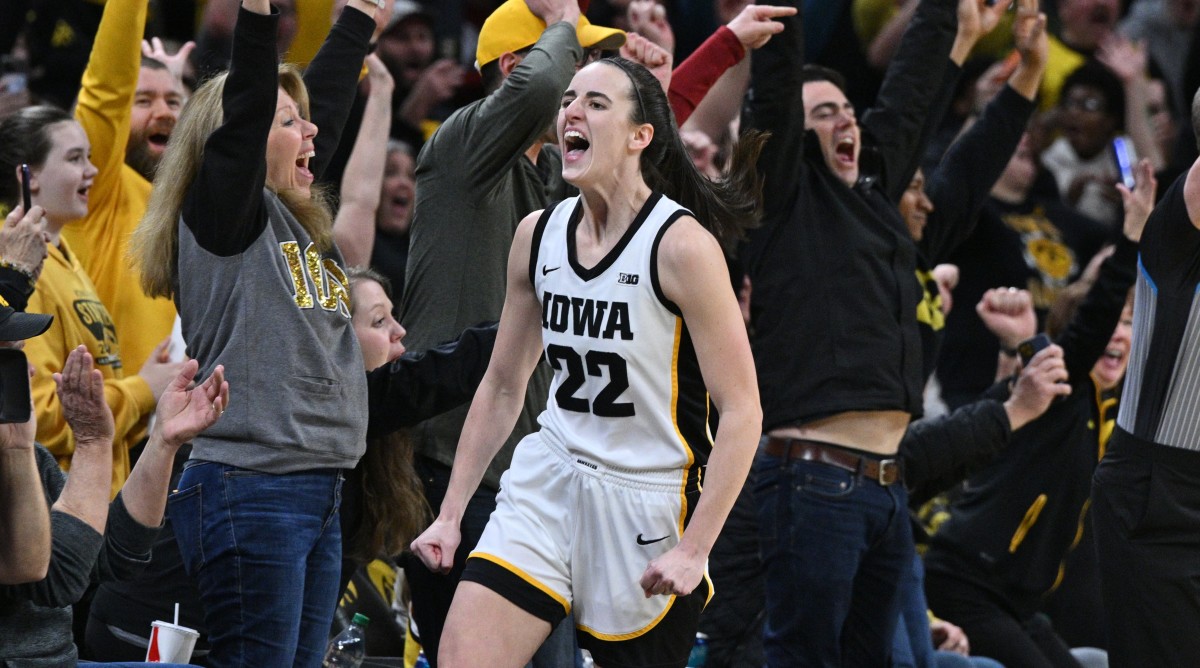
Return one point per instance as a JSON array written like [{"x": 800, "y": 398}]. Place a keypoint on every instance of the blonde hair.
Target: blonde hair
[{"x": 154, "y": 245}]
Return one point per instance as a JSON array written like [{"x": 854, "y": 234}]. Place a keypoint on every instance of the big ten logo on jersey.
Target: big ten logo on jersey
[
  {"x": 94, "y": 317},
  {"x": 330, "y": 285}
]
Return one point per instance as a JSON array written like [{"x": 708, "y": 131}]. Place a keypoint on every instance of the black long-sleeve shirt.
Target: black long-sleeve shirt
[
  {"x": 833, "y": 267},
  {"x": 1019, "y": 516}
]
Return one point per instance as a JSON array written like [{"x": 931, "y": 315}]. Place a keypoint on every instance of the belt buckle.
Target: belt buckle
[{"x": 882, "y": 472}]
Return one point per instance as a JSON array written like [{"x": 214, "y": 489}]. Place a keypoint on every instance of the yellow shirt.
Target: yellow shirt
[
  {"x": 64, "y": 291},
  {"x": 117, "y": 200},
  {"x": 1061, "y": 61},
  {"x": 313, "y": 20}
]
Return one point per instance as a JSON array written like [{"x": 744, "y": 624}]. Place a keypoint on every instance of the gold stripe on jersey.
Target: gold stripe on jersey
[
  {"x": 691, "y": 456},
  {"x": 632, "y": 634},
  {"x": 524, "y": 576}
]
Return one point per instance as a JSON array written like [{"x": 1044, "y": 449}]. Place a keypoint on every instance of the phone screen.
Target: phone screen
[
  {"x": 1124, "y": 161},
  {"x": 26, "y": 198}
]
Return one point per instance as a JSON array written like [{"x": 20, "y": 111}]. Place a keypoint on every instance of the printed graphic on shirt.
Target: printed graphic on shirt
[
  {"x": 95, "y": 318},
  {"x": 1045, "y": 253},
  {"x": 331, "y": 288},
  {"x": 929, "y": 310}
]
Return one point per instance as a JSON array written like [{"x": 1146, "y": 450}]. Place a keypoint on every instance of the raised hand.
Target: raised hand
[
  {"x": 655, "y": 58},
  {"x": 1008, "y": 314},
  {"x": 1138, "y": 202},
  {"x": 553, "y": 11},
  {"x": 185, "y": 411},
  {"x": 176, "y": 64},
  {"x": 1039, "y": 384},
  {"x": 755, "y": 24},
  {"x": 1029, "y": 34},
  {"x": 80, "y": 389},
  {"x": 378, "y": 77},
  {"x": 1127, "y": 59},
  {"x": 977, "y": 18},
  {"x": 158, "y": 371},
  {"x": 649, "y": 19},
  {"x": 23, "y": 240}
]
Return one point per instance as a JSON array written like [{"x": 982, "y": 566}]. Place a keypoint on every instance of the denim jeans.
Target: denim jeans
[
  {"x": 835, "y": 546},
  {"x": 265, "y": 551}
]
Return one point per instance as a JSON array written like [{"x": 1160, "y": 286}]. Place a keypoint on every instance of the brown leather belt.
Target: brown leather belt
[{"x": 883, "y": 471}]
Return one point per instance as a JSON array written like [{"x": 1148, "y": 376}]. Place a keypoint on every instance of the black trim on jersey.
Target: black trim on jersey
[
  {"x": 662, "y": 297},
  {"x": 693, "y": 407},
  {"x": 514, "y": 589},
  {"x": 612, "y": 255},
  {"x": 667, "y": 645},
  {"x": 535, "y": 245}
]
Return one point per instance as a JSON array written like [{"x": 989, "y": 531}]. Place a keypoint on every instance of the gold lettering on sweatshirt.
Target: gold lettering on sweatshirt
[{"x": 291, "y": 254}]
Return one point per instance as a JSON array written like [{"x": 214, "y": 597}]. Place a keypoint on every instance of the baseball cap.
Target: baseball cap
[
  {"x": 18, "y": 326},
  {"x": 406, "y": 9},
  {"x": 513, "y": 27}
]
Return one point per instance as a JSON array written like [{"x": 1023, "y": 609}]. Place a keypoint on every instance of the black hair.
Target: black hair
[
  {"x": 25, "y": 139},
  {"x": 810, "y": 73},
  {"x": 728, "y": 207},
  {"x": 1097, "y": 75}
]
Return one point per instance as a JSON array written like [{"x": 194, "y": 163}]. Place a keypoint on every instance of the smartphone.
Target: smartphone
[
  {"x": 26, "y": 198},
  {"x": 15, "y": 405},
  {"x": 1124, "y": 161},
  {"x": 1030, "y": 347}
]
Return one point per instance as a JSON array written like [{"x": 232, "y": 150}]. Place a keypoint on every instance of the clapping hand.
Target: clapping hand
[
  {"x": 184, "y": 411},
  {"x": 81, "y": 393}
]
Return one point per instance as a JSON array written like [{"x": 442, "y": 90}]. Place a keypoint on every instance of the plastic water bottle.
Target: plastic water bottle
[
  {"x": 349, "y": 647},
  {"x": 699, "y": 653},
  {"x": 421, "y": 662}
]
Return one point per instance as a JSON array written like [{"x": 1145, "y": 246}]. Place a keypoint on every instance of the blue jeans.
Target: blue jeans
[
  {"x": 835, "y": 546},
  {"x": 265, "y": 551}
]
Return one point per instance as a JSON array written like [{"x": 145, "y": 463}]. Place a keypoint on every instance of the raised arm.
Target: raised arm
[
  {"x": 961, "y": 183},
  {"x": 776, "y": 105},
  {"x": 354, "y": 225},
  {"x": 332, "y": 77},
  {"x": 896, "y": 123},
  {"x": 1128, "y": 60},
  {"x": 499, "y": 129},
  {"x": 223, "y": 204},
  {"x": 711, "y": 68},
  {"x": 1089, "y": 331},
  {"x": 710, "y": 310},
  {"x": 105, "y": 103},
  {"x": 497, "y": 403}
]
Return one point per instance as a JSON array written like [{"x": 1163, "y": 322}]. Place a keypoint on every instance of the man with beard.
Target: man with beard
[{"x": 128, "y": 106}]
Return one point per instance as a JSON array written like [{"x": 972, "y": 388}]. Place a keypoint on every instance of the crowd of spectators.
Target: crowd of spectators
[{"x": 958, "y": 176}]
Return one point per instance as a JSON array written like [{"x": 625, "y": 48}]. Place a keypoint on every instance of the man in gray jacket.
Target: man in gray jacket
[{"x": 484, "y": 169}]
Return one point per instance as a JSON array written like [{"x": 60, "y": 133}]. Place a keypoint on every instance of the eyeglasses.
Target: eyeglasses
[{"x": 1090, "y": 103}]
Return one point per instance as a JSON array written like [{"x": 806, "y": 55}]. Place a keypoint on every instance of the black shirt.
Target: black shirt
[{"x": 833, "y": 268}]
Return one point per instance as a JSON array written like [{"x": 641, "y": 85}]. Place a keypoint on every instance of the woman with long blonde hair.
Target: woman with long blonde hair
[{"x": 236, "y": 233}]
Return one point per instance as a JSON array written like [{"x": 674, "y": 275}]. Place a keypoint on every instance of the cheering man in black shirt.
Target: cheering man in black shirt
[{"x": 837, "y": 344}]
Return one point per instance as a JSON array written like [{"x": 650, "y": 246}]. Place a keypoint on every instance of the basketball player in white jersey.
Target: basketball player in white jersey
[{"x": 626, "y": 294}]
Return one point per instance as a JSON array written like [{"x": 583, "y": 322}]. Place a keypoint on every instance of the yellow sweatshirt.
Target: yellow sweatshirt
[
  {"x": 119, "y": 194},
  {"x": 64, "y": 291}
]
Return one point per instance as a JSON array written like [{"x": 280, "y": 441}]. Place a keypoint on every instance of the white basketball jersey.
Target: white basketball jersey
[{"x": 627, "y": 390}]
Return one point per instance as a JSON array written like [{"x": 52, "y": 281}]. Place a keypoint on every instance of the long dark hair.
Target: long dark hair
[
  {"x": 25, "y": 139},
  {"x": 394, "y": 509},
  {"x": 727, "y": 207}
]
